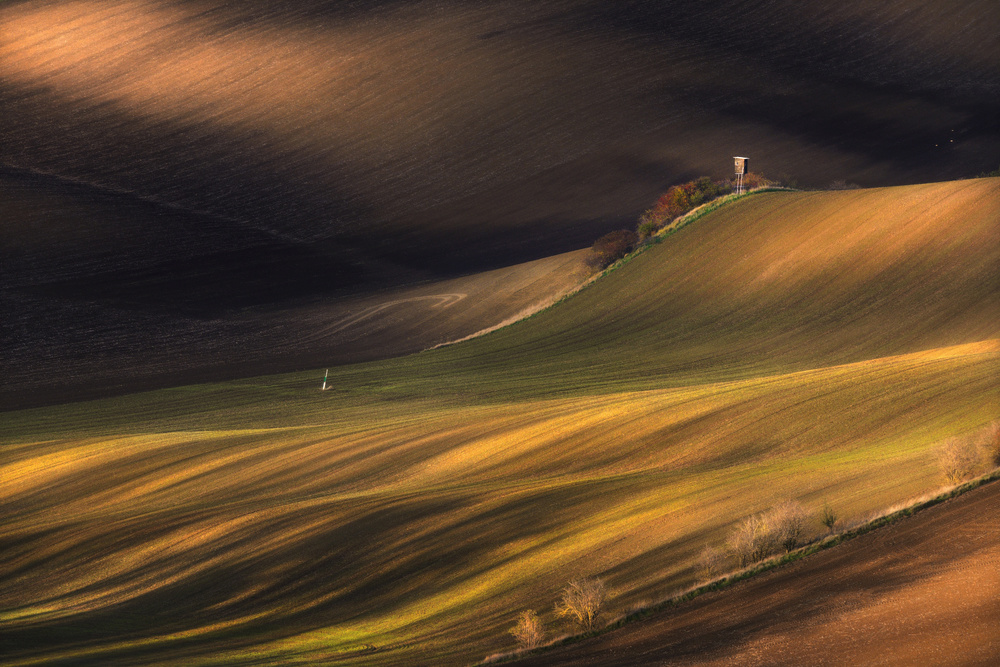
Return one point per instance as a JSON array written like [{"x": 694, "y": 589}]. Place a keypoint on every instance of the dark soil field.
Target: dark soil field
[
  {"x": 96, "y": 303},
  {"x": 479, "y": 135},
  {"x": 921, "y": 591}
]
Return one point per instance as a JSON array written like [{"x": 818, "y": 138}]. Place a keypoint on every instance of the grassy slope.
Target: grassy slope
[
  {"x": 807, "y": 345},
  {"x": 782, "y": 282}
]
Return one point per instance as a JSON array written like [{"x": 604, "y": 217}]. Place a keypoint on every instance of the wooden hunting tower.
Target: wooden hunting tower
[{"x": 742, "y": 167}]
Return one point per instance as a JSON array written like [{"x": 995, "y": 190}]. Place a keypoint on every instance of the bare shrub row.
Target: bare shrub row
[
  {"x": 762, "y": 535},
  {"x": 964, "y": 457},
  {"x": 782, "y": 528}
]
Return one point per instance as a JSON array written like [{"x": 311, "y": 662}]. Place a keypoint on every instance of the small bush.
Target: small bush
[
  {"x": 991, "y": 446},
  {"x": 828, "y": 517},
  {"x": 959, "y": 459},
  {"x": 709, "y": 564},
  {"x": 762, "y": 535},
  {"x": 646, "y": 230},
  {"x": 752, "y": 541},
  {"x": 611, "y": 247},
  {"x": 582, "y": 602},
  {"x": 843, "y": 185},
  {"x": 529, "y": 631},
  {"x": 788, "y": 522}
]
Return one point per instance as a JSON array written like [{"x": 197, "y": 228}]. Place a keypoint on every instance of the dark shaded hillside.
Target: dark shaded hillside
[
  {"x": 460, "y": 136},
  {"x": 62, "y": 239},
  {"x": 207, "y": 158},
  {"x": 102, "y": 292}
]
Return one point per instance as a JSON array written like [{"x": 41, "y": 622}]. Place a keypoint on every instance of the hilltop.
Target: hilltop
[
  {"x": 809, "y": 345},
  {"x": 781, "y": 282},
  {"x": 180, "y": 180}
]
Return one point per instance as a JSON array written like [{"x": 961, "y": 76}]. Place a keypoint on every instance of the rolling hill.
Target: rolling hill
[
  {"x": 478, "y": 135},
  {"x": 807, "y": 345}
]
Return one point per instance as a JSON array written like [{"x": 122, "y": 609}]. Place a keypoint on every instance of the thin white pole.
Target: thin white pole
[{"x": 325, "y": 375}]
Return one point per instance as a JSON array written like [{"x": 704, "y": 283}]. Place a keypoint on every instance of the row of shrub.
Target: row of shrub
[
  {"x": 780, "y": 529},
  {"x": 683, "y": 198},
  {"x": 783, "y": 527},
  {"x": 674, "y": 203},
  {"x": 754, "y": 539},
  {"x": 679, "y": 200}
]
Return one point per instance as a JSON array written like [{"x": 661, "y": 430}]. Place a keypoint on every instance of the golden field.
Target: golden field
[{"x": 815, "y": 345}]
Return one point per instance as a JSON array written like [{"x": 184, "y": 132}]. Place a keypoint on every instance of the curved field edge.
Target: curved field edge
[
  {"x": 679, "y": 223},
  {"x": 408, "y": 514},
  {"x": 879, "y": 520},
  {"x": 776, "y": 282}
]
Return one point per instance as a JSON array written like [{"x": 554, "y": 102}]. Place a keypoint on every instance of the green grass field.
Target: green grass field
[{"x": 815, "y": 345}]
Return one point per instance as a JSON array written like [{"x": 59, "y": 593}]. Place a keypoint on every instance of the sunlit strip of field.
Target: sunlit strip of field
[
  {"x": 429, "y": 527},
  {"x": 816, "y": 346}
]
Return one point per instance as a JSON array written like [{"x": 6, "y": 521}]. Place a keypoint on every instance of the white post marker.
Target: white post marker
[{"x": 325, "y": 375}]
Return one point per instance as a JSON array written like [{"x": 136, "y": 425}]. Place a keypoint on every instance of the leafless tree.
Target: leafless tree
[
  {"x": 709, "y": 564},
  {"x": 529, "y": 631},
  {"x": 582, "y": 602},
  {"x": 959, "y": 459},
  {"x": 828, "y": 517}
]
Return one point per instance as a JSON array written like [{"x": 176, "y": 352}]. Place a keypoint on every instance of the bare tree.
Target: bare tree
[
  {"x": 991, "y": 445},
  {"x": 709, "y": 564},
  {"x": 529, "y": 631},
  {"x": 752, "y": 541},
  {"x": 582, "y": 602},
  {"x": 828, "y": 517},
  {"x": 959, "y": 459},
  {"x": 762, "y": 535},
  {"x": 788, "y": 522}
]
